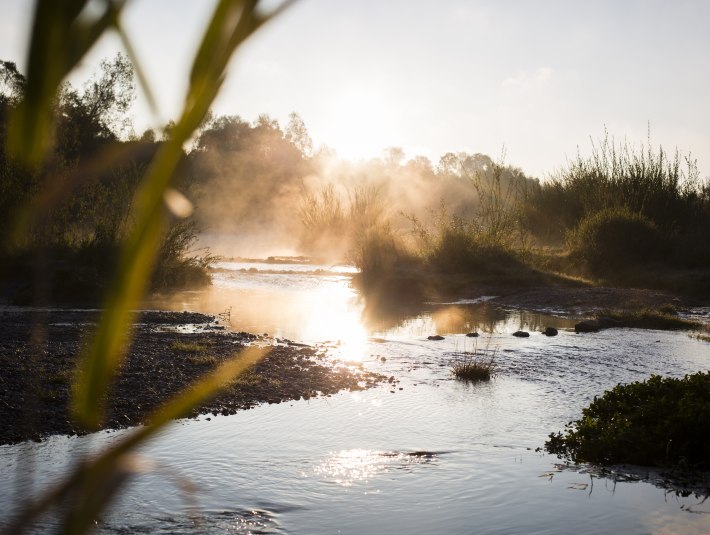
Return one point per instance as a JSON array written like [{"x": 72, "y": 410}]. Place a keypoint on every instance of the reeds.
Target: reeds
[
  {"x": 475, "y": 365},
  {"x": 63, "y": 33},
  {"x": 664, "y": 188}
]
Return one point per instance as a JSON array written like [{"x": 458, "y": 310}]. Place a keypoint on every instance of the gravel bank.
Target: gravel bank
[{"x": 38, "y": 351}]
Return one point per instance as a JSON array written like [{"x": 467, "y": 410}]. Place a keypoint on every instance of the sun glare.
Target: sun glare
[
  {"x": 334, "y": 318},
  {"x": 361, "y": 124}
]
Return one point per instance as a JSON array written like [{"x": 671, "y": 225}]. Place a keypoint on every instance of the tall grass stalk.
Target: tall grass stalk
[
  {"x": 475, "y": 365},
  {"x": 62, "y": 34},
  {"x": 663, "y": 187}
]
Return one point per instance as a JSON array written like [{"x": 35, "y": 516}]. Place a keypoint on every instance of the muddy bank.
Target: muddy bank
[
  {"x": 588, "y": 300},
  {"x": 38, "y": 351}
]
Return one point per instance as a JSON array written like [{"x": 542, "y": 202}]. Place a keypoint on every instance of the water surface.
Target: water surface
[{"x": 422, "y": 454}]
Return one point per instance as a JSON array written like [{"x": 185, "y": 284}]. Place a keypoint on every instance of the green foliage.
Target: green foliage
[
  {"x": 616, "y": 238},
  {"x": 77, "y": 209},
  {"x": 659, "y": 422},
  {"x": 457, "y": 245},
  {"x": 664, "y": 189},
  {"x": 63, "y": 33},
  {"x": 247, "y": 175},
  {"x": 176, "y": 269},
  {"x": 379, "y": 252}
]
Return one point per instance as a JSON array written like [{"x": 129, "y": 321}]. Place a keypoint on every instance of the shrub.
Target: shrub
[
  {"x": 664, "y": 319},
  {"x": 452, "y": 244},
  {"x": 649, "y": 182},
  {"x": 658, "y": 422},
  {"x": 616, "y": 238}
]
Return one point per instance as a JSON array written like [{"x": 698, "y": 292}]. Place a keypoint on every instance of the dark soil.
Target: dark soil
[
  {"x": 38, "y": 352},
  {"x": 588, "y": 300}
]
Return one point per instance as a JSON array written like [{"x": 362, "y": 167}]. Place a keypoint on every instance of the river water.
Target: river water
[{"x": 426, "y": 454}]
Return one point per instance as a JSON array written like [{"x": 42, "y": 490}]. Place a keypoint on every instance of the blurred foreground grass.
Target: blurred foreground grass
[{"x": 62, "y": 34}]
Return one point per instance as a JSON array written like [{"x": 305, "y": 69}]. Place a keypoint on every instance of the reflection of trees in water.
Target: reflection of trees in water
[
  {"x": 385, "y": 314},
  {"x": 381, "y": 314},
  {"x": 462, "y": 319},
  {"x": 691, "y": 489}
]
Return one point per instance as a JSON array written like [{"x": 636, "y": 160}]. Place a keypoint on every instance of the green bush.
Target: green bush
[
  {"x": 456, "y": 245},
  {"x": 665, "y": 188},
  {"x": 380, "y": 252},
  {"x": 616, "y": 238},
  {"x": 658, "y": 422}
]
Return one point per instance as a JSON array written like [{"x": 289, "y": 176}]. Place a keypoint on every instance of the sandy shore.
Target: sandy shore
[{"x": 38, "y": 352}]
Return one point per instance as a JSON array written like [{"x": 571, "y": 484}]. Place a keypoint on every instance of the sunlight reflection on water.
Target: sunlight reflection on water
[{"x": 424, "y": 454}]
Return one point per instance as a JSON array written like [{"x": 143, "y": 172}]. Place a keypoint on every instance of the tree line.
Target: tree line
[{"x": 264, "y": 183}]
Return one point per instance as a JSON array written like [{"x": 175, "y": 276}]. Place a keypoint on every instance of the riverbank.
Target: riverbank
[
  {"x": 588, "y": 300},
  {"x": 38, "y": 351}
]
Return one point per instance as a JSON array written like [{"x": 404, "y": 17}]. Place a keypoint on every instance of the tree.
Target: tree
[
  {"x": 12, "y": 83},
  {"x": 108, "y": 97},
  {"x": 224, "y": 133},
  {"x": 297, "y": 134},
  {"x": 394, "y": 156},
  {"x": 96, "y": 115}
]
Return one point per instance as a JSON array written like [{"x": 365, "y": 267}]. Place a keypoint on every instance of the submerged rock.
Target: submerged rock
[
  {"x": 521, "y": 334},
  {"x": 550, "y": 331},
  {"x": 435, "y": 337},
  {"x": 472, "y": 335}
]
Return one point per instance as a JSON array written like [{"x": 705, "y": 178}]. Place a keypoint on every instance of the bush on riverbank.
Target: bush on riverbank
[
  {"x": 602, "y": 217},
  {"x": 615, "y": 238},
  {"x": 664, "y": 319},
  {"x": 657, "y": 422},
  {"x": 624, "y": 205},
  {"x": 68, "y": 218}
]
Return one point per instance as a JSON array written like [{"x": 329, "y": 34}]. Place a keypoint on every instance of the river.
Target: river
[{"x": 426, "y": 454}]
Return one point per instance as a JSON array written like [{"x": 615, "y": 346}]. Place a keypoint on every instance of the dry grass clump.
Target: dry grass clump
[{"x": 475, "y": 365}]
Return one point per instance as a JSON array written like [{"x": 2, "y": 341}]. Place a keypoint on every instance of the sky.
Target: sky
[{"x": 535, "y": 81}]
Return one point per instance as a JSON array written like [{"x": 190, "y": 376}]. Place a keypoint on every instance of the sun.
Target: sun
[{"x": 360, "y": 124}]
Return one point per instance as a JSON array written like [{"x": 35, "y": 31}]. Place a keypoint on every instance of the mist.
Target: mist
[{"x": 261, "y": 190}]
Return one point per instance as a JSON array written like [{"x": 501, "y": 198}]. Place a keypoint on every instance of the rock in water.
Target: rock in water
[
  {"x": 550, "y": 331},
  {"x": 472, "y": 335},
  {"x": 435, "y": 337},
  {"x": 521, "y": 334}
]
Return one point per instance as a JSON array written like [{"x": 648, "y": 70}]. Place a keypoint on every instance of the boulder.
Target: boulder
[
  {"x": 435, "y": 337},
  {"x": 472, "y": 335},
  {"x": 550, "y": 331},
  {"x": 521, "y": 334}
]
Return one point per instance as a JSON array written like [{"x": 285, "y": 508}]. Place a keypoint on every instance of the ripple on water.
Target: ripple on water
[{"x": 427, "y": 454}]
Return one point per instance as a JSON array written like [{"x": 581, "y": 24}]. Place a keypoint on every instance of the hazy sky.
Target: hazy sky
[{"x": 538, "y": 77}]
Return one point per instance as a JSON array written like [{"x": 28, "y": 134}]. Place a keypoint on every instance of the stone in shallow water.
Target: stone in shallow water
[
  {"x": 435, "y": 337},
  {"x": 521, "y": 334},
  {"x": 550, "y": 331}
]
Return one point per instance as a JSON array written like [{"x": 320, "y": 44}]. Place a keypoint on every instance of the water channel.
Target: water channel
[{"x": 428, "y": 454}]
